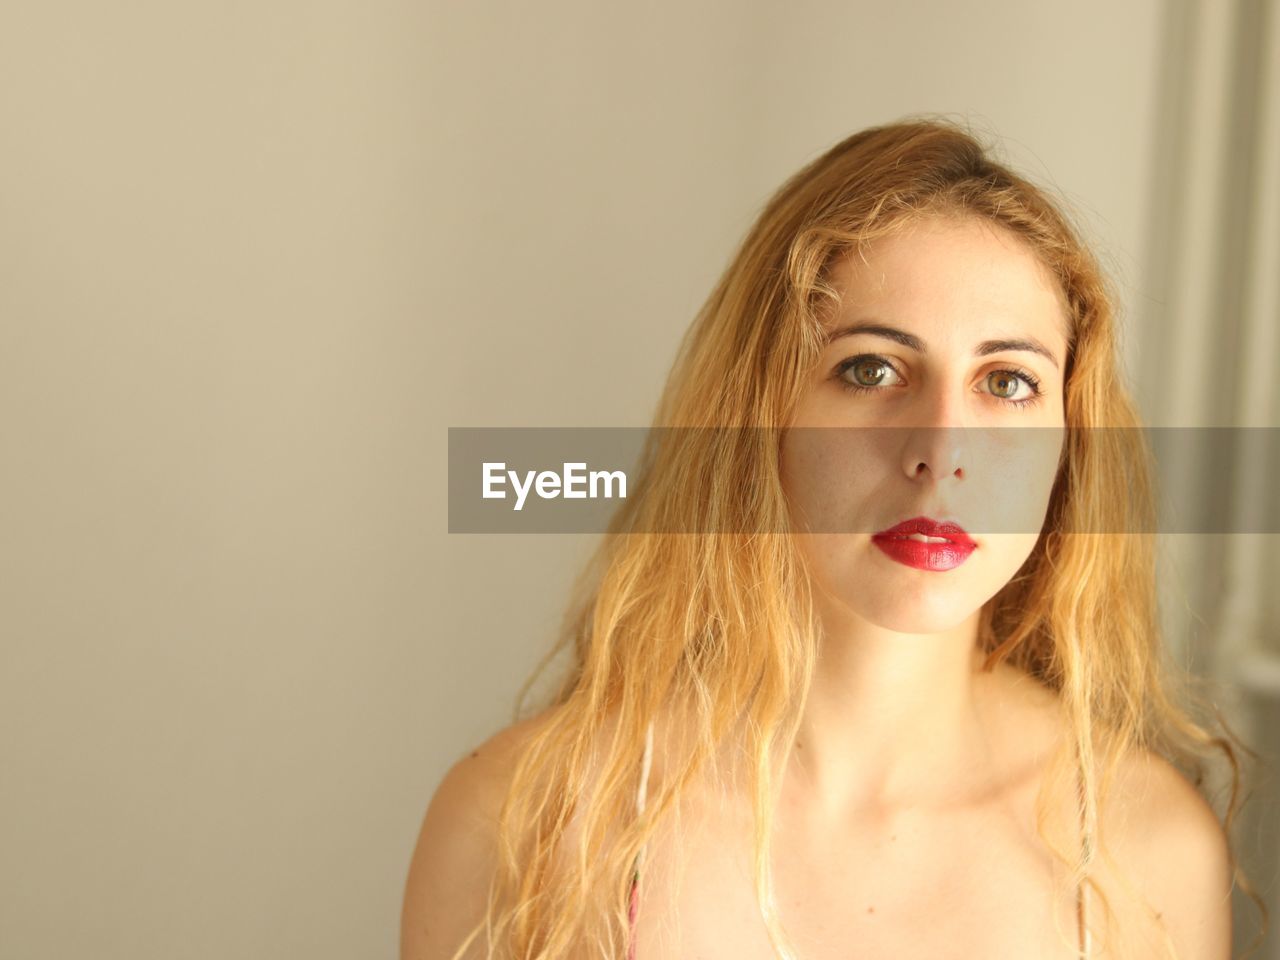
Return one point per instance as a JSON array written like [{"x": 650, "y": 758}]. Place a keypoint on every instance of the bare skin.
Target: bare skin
[
  {"x": 911, "y": 793},
  {"x": 963, "y": 875},
  {"x": 907, "y": 823},
  {"x": 948, "y": 874},
  {"x": 948, "y": 433},
  {"x": 906, "y": 826},
  {"x": 948, "y": 879}
]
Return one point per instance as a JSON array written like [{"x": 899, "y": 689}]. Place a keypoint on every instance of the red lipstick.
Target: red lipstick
[{"x": 950, "y": 547}]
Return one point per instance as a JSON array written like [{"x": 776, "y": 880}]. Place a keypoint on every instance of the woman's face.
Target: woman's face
[{"x": 950, "y": 411}]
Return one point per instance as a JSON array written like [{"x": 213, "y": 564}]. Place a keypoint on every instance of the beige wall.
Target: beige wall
[{"x": 256, "y": 259}]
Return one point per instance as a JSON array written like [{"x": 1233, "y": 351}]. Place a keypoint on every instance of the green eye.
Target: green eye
[
  {"x": 876, "y": 370},
  {"x": 866, "y": 372},
  {"x": 1003, "y": 384},
  {"x": 869, "y": 373}
]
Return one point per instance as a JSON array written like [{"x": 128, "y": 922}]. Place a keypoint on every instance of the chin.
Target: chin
[
  {"x": 900, "y": 618},
  {"x": 920, "y": 602}
]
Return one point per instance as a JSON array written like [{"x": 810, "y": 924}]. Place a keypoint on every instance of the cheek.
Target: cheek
[
  {"x": 831, "y": 477},
  {"x": 1011, "y": 481}
]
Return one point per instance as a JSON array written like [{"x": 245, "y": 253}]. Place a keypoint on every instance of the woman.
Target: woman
[{"x": 888, "y": 690}]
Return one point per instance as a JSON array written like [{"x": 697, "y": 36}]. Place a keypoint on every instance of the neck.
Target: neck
[{"x": 891, "y": 719}]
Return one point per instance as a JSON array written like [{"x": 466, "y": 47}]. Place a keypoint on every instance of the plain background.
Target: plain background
[{"x": 256, "y": 258}]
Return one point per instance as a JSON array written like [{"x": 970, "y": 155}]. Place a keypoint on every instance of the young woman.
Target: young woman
[{"x": 868, "y": 665}]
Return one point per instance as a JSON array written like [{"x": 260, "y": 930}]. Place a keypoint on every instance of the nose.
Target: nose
[
  {"x": 939, "y": 446},
  {"x": 940, "y": 451}
]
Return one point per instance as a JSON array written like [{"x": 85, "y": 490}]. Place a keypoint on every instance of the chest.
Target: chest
[{"x": 969, "y": 884}]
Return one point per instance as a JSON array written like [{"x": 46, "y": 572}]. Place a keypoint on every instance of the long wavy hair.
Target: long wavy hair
[{"x": 714, "y": 620}]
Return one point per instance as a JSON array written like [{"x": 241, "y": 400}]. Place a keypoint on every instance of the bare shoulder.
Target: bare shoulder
[
  {"x": 1167, "y": 840},
  {"x": 447, "y": 887},
  {"x": 1161, "y": 841}
]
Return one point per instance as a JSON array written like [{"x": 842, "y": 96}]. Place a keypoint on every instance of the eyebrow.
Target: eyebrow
[{"x": 985, "y": 348}]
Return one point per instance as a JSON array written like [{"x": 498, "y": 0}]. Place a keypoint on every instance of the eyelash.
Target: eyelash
[{"x": 1025, "y": 376}]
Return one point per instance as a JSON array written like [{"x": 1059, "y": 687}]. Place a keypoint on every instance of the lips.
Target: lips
[{"x": 926, "y": 544}]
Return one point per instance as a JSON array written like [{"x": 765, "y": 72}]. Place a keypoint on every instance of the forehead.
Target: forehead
[{"x": 951, "y": 279}]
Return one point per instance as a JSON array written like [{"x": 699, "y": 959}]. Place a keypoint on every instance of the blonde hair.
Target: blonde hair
[{"x": 718, "y": 624}]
